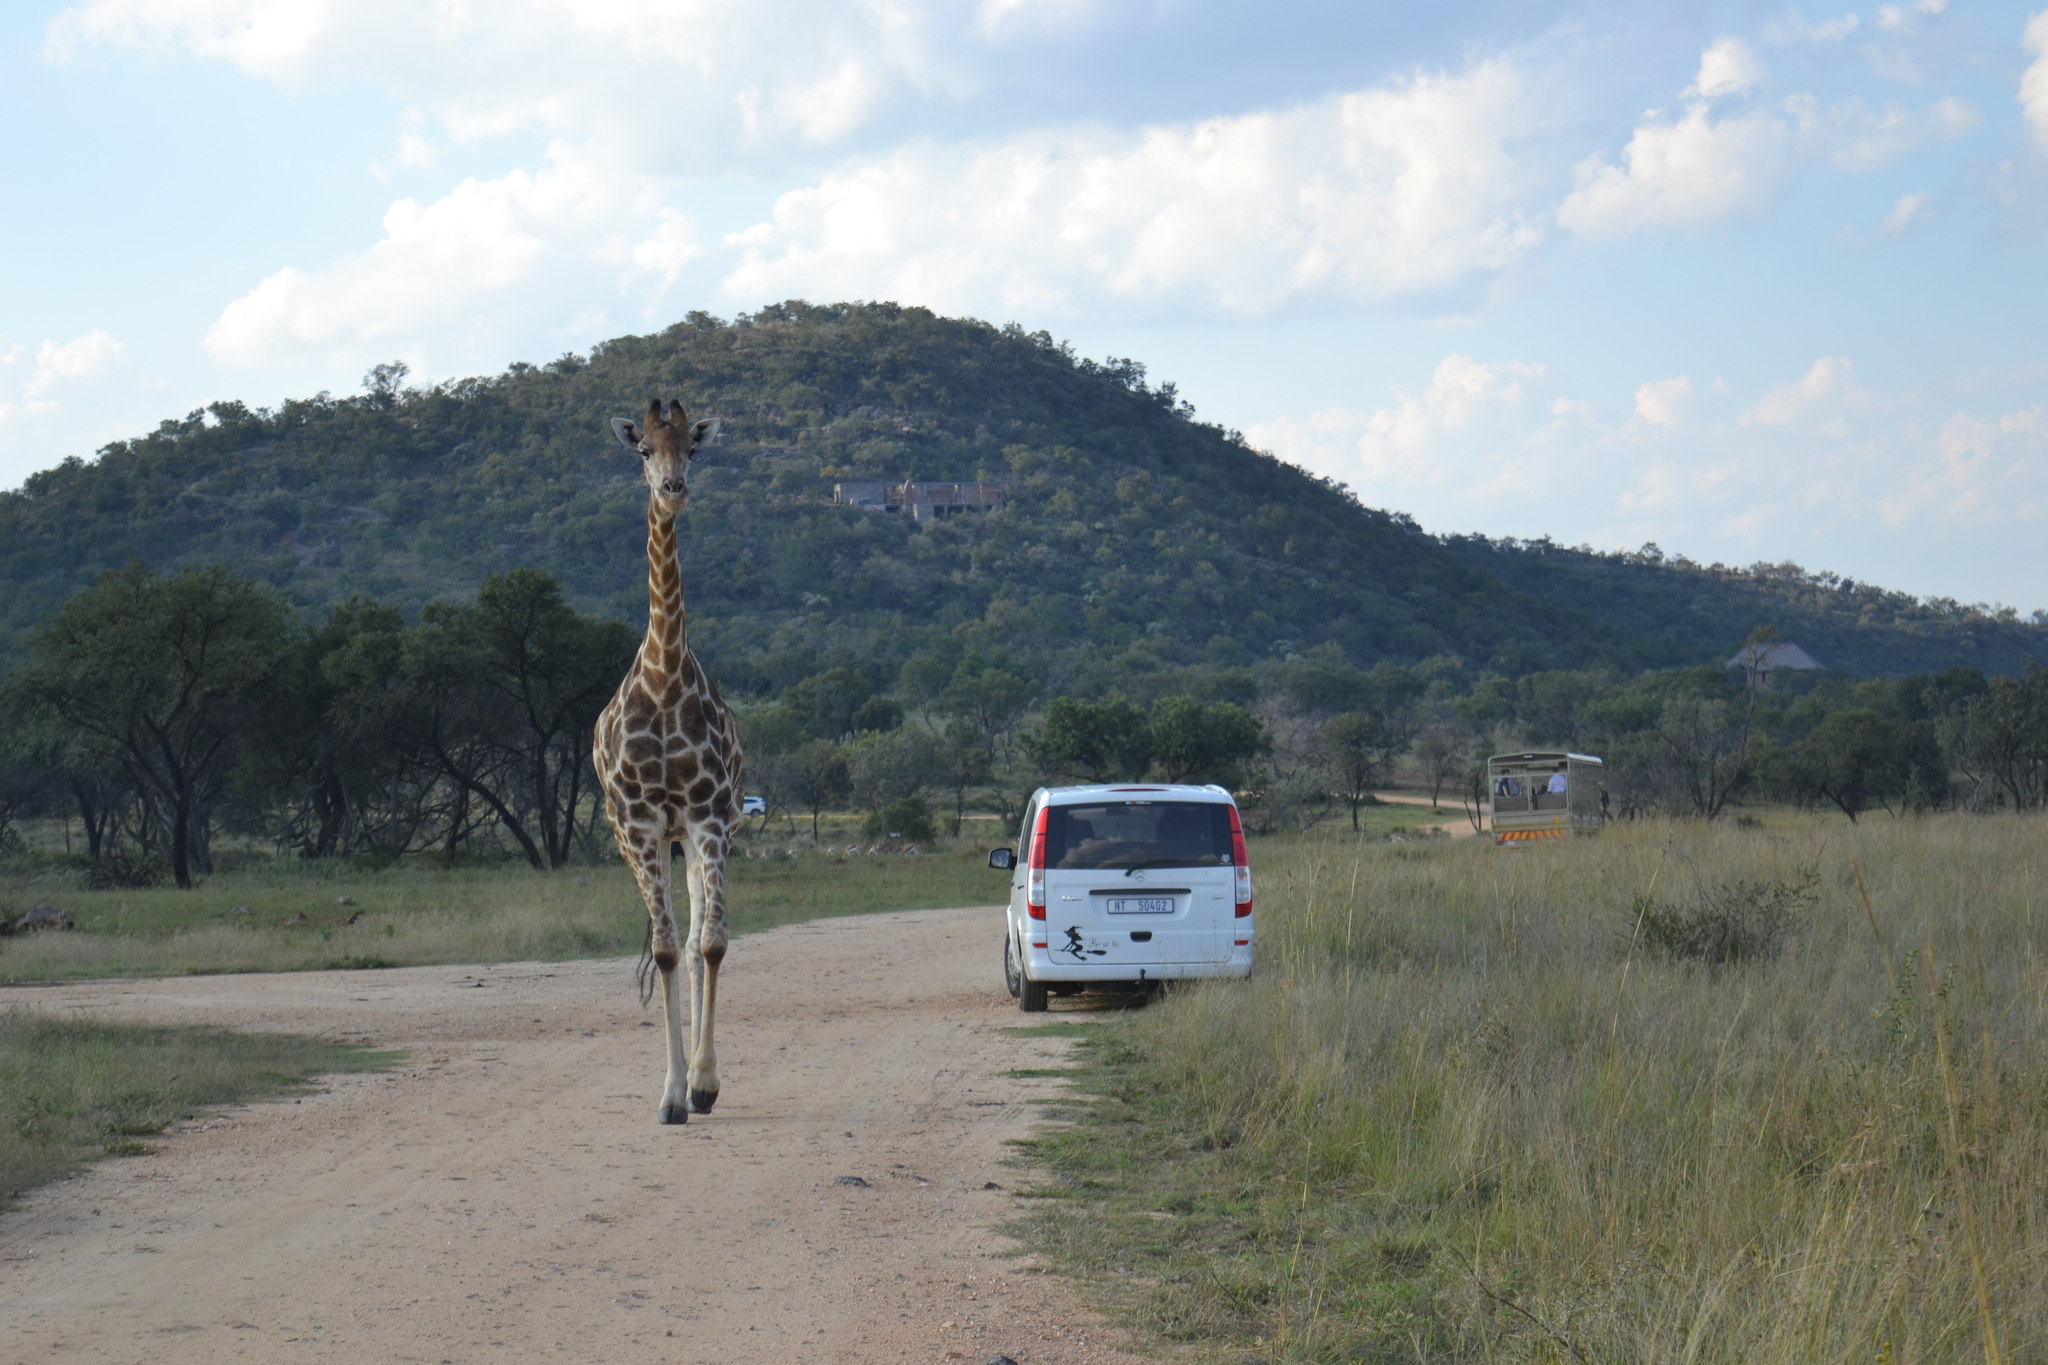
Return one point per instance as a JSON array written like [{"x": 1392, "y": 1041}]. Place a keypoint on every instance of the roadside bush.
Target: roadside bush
[
  {"x": 1739, "y": 921},
  {"x": 909, "y": 819},
  {"x": 123, "y": 869}
]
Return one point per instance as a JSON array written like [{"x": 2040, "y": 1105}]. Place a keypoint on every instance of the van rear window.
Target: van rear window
[{"x": 1139, "y": 834}]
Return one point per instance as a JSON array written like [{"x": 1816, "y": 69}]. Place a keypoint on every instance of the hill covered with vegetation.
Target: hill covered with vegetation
[{"x": 1135, "y": 540}]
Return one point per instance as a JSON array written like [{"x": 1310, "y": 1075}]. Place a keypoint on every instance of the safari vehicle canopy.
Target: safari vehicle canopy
[{"x": 1545, "y": 796}]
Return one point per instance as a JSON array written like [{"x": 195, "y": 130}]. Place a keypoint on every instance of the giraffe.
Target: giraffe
[{"x": 668, "y": 756}]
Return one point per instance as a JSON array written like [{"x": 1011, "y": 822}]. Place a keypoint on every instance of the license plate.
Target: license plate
[{"x": 1141, "y": 905}]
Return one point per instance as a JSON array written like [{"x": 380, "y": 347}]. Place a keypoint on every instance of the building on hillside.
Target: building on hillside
[
  {"x": 1759, "y": 662},
  {"x": 923, "y": 501}
]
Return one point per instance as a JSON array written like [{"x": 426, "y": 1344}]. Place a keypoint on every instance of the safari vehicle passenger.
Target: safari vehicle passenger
[{"x": 1120, "y": 887}]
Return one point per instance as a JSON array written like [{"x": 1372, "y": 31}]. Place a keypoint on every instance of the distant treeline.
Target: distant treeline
[{"x": 157, "y": 710}]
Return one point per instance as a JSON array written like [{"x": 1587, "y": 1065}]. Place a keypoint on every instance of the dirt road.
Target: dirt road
[{"x": 508, "y": 1195}]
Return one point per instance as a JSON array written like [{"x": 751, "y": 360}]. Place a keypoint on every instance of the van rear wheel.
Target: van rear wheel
[
  {"x": 1031, "y": 996},
  {"x": 1012, "y": 978}
]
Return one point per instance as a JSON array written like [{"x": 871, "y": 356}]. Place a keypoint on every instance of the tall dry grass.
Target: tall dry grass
[{"x": 1464, "y": 1074}]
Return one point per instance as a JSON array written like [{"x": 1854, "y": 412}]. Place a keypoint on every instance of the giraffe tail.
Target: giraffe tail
[{"x": 644, "y": 974}]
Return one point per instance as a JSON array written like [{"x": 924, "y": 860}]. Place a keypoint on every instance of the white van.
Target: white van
[{"x": 1120, "y": 887}]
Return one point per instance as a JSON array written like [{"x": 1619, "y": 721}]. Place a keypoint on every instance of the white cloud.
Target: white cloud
[
  {"x": 414, "y": 151},
  {"x": 658, "y": 81},
  {"x": 1902, "y": 16},
  {"x": 1458, "y": 389},
  {"x": 1000, "y": 18},
  {"x": 1497, "y": 447},
  {"x": 263, "y": 37},
  {"x": 671, "y": 246},
  {"x": 1467, "y": 427},
  {"x": 1856, "y": 140},
  {"x": 1792, "y": 27},
  {"x": 1826, "y": 391},
  {"x": 1698, "y": 170},
  {"x": 1728, "y": 67},
  {"x": 1981, "y": 470},
  {"x": 1690, "y": 173},
  {"x": 455, "y": 263},
  {"x": 1663, "y": 402},
  {"x": 1910, "y": 209},
  {"x": 40, "y": 389},
  {"x": 83, "y": 357},
  {"x": 2034, "y": 82},
  {"x": 1366, "y": 195}
]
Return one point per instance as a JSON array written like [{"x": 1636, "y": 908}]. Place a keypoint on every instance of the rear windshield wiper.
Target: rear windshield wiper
[{"x": 1164, "y": 862}]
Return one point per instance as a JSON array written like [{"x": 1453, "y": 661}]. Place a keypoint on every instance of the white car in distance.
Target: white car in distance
[
  {"x": 1119, "y": 887},
  {"x": 753, "y": 805}
]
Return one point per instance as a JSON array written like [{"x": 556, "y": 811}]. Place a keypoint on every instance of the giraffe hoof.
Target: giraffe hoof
[
  {"x": 702, "y": 1100},
  {"x": 674, "y": 1113}
]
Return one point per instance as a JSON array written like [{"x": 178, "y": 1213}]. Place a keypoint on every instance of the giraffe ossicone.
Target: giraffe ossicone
[{"x": 668, "y": 757}]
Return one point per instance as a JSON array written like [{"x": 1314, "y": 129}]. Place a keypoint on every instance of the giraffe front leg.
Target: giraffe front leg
[
  {"x": 657, "y": 885},
  {"x": 704, "y": 952}
]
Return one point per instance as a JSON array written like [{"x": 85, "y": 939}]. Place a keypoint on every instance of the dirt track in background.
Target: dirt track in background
[{"x": 507, "y": 1195}]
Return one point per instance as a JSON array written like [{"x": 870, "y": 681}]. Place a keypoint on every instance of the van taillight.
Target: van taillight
[
  {"x": 1243, "y": 862},
  {"x": 1034, "y": 888}
]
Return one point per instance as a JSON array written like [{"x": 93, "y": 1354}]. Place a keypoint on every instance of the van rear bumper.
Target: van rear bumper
[{"x": 1042, "y": 968}]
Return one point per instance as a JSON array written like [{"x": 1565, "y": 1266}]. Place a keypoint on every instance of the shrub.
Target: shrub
[
  {"x": 122, "y": 869},
  {"x": 909, "y": 819},
  {"x": 1738, "y": 921}
]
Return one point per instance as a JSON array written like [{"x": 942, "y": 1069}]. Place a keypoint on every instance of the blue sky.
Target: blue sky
[{"x": 1751, "y": 282}]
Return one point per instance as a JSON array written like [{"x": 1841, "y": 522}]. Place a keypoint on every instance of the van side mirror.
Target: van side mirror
[{"x": 1002, "y": 859}]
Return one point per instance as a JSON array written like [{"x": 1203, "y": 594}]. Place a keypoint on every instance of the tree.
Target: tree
[
  {"x": 766, "y": 731},
  {"x": 1105, "y": 739},
  {"x": 1441, "y": 749},
  {"x": 383, "y": 722},
  {"x": 316, "y": 743},
  {"x": 1552, "y": 707},
  {"x": 1323, "y": 683},
  {"x": 1361, "y": 750},
  {"x": 2003, "y": 733},
  {"x": 991, "y": 694},
  {"x": 900, "y": 764},
  {"x": 50, "y": 768},
  {"x": 817, "y": 777},
  {"x": 1703, "y": 744},
  {"x": 1193, "y": 742},
  {"x": 168, "y": 672},
  {"x": 1854, "y": 758},
  {"x": 828, "y": 701},
  {"x": 512, "y": 687},
  {"x": 966, "y": 766}
]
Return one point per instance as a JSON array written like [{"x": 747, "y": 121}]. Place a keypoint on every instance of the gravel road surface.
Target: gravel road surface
[{"x": 506, "y": 1195}]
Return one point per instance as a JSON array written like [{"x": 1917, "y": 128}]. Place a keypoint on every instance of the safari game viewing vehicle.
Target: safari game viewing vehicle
[{"x": 1545, "y": 796}]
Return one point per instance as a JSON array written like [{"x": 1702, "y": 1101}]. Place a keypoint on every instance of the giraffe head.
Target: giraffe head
[{"x": 665, "y": 447}]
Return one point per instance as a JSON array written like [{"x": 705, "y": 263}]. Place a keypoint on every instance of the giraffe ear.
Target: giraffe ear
[
  {"x": 627, "y": 436},
  {"x": 704, "y": 433}
]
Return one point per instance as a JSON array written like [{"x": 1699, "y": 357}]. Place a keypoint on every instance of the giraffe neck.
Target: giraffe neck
[{"x": 666, "y": 639}]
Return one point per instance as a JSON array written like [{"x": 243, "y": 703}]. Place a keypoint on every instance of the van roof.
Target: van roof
[{"x": 1153, "y": 791}]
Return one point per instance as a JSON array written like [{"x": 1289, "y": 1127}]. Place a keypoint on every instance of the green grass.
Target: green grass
[
  {"x": 1461, "y": 1114},
  {"x": 416, "y": 912},
  {"x": 74, "y": 1090}
]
